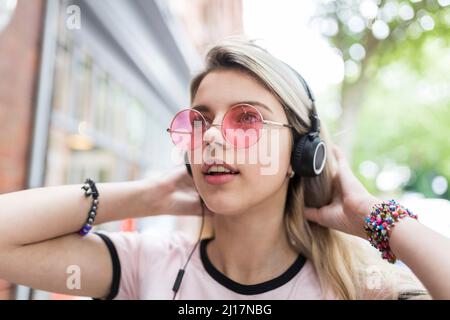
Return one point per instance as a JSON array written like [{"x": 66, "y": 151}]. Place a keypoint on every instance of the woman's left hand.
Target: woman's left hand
[{"x": 350, "y": 205}]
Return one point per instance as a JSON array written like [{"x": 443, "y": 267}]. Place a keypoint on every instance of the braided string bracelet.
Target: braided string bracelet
[
  {"x": 380, "y": 221},
  {"x": 90, "y": 190}
]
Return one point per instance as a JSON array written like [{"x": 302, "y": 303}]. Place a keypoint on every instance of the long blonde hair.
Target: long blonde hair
[{"x": 346, "y": 266}]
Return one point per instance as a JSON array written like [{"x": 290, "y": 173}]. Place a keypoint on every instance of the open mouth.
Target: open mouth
[
  {"x": 216, "y": 170},
  {"x": 218, "y": 174}
]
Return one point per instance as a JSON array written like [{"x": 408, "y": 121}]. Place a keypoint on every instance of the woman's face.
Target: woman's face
[{"x": 262, "y": 168}]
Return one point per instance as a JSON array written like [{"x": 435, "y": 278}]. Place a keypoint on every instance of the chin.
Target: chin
[{"x": 222, "y": 203}]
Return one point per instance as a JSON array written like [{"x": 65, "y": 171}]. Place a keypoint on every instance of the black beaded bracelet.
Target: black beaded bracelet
[{"x": 90, "y": 190}]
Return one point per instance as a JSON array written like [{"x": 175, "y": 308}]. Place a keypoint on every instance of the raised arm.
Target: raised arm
[
  {"x": 424, "y": 251},
  {"x": 39, "y": 244}
]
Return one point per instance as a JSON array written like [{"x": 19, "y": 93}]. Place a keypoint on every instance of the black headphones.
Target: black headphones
[{"x": 309, "y": 152}]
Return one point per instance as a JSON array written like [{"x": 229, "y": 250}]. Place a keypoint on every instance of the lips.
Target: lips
[
  {"x": 206, "y": 167},
  {"x": 219, "y": 178}
]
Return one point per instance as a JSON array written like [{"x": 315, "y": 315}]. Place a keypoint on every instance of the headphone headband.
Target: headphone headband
[
  {"x": 309, "y": 154},
  {"x": 315, "y": 122}
]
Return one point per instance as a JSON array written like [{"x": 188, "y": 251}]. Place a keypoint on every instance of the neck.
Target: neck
[{"x": 252, "y": 246}]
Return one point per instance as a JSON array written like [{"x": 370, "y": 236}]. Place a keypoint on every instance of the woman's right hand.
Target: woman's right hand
[{"x": 176, "y": 194}]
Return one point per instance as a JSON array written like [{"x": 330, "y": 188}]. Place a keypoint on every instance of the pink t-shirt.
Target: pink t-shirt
[{"x": 146, "y": 265}]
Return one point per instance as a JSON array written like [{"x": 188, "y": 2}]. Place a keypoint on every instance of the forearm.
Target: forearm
[
  {"x": 39, "y": 214},
  {"x": 426, "y": 253},
  {"x": 5, "y": 290}
]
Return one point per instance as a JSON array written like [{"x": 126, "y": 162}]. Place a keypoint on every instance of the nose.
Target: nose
[{"x": 213, "y": 134}]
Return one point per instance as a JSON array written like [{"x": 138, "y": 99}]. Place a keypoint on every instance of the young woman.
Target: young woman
[{"x": 276, "y": 236}]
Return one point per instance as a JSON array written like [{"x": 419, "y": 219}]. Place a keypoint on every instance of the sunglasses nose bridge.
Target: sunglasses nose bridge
[
  {"x": 217, "y": 123},
  {"x": 213, "y": 134}
]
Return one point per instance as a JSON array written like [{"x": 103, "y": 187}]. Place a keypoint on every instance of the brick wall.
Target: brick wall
[{"x": 19, "y": 65}]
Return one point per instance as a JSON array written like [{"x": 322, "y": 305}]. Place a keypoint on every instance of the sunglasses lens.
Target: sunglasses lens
[
  {"x": 187, "y": 129},
  {"x": 242, "y": 126}
]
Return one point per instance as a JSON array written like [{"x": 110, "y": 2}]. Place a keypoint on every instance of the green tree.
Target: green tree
[{"x": 372, "y": 33}]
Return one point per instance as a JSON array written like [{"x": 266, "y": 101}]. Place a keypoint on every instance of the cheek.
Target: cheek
[{"x": 273, "y": 152}]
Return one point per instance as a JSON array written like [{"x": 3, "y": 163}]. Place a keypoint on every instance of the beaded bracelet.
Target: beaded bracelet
[
  {"x": 90, "y": 190},
  {"x": 380, "y": 221}
]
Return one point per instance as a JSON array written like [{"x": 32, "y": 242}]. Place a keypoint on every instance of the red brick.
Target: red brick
[{"x": 19, "y": 65}]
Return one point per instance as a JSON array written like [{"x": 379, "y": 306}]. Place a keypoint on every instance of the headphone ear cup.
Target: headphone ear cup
[
  {"x": 188, "y": 168},
  {"x": 309, "y": 156},
  {"x": 297, "y": 155},
  {"x": 188, "y": 165}
]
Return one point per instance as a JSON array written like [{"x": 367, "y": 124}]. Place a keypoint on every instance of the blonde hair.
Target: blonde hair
[{"x": 346, "y": 266}]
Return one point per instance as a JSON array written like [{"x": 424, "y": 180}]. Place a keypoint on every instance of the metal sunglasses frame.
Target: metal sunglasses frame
[{"x": 209, "y": 125}]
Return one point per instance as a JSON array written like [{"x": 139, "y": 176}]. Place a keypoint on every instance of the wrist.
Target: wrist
[
  {"x": 363, "y": 211},
  {"x": 367, "y": 205},
  {"x": 379, "y": 224},
  {"x": 152, "y": 195}
]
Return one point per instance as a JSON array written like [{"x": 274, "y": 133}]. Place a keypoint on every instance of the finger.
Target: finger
[
  {"x": 336, "y": 186},
  {"x": 336, "y": 182},
  {"x": 337, "y": 152},
  {"x": 347, "y": 180},
  {"x": 178, "y": 173},
  {"x": 312, "y": 214},
  {"x": 318, "y": 215},
  {"x": 326, "y": 216},
  {"x": 340, "y": 157},
  {"x": 181, "y": 177}
]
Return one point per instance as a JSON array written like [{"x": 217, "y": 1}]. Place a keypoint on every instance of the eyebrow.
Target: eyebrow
[{"x": 205, "y": 108}]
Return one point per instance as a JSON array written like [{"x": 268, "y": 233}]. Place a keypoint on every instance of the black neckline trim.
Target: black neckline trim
[{"x": 249, "y": 289}]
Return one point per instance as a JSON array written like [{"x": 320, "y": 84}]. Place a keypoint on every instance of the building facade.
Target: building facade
[{"x": 88, "y": 88}]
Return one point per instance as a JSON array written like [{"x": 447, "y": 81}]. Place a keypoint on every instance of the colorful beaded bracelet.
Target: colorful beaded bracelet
[
  {"x": 380, "y": 221},
  {"x": 90, "y": 190}
]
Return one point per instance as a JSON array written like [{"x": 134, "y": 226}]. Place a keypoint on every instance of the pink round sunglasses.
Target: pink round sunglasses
[{"x": 241, "y": 127}]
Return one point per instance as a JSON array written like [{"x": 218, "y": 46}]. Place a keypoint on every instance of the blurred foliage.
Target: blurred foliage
[
  {"x": 405, "y": 118},
  {"x": 378, "y": 26},
  {"x": 403, "y": 115}
]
